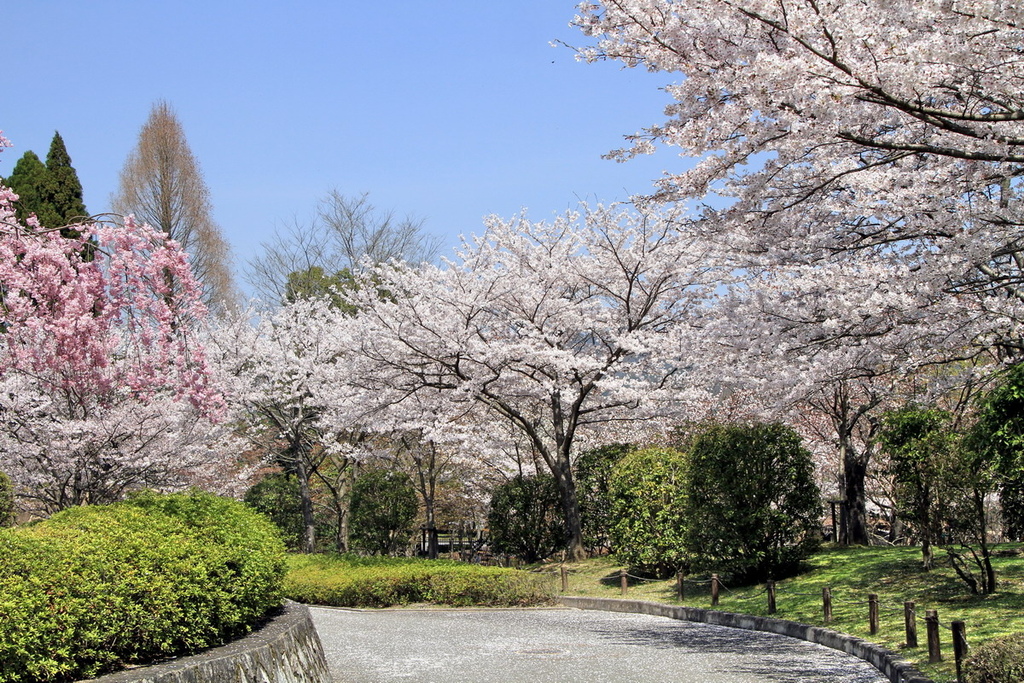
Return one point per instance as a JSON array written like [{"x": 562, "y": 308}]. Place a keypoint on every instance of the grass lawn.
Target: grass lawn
[{"x": 852, "y": 573}]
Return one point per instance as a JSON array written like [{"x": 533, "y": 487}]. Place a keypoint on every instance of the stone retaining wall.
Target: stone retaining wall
[
  {"x": 889, "y": 663},
  {"x": 286, "y": 650}
]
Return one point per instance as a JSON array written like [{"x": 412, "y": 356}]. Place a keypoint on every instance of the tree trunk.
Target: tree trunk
[
  {"x": 854, "y": 523},
  {"x": 575, "y": 550},
  {"x": 306, "y": 506}
]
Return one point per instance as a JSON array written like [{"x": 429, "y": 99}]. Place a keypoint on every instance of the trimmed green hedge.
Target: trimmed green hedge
[
  {"x": 348, "y": 581},
  {"x": 94, "y": 588}
]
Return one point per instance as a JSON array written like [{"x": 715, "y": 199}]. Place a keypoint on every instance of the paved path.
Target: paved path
[{"x": 565, "y": 645}]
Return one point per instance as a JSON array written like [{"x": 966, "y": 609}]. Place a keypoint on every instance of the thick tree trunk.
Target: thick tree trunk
[
  {"x": 854, "y": 521},
  {"x": 574, "y": 548}
]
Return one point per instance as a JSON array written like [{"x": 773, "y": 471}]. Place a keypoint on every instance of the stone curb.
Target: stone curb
[
  {"x": 285, "y": 650},
  {"x": 886, "y": 661}
]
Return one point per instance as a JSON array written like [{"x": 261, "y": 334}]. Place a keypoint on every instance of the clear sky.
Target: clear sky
[{"x": 447, "y": 110}]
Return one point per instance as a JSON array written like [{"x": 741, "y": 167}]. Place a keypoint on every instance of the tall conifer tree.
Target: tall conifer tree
[
  {"x": 62, "y": 191},
  {"x": 52, "y": 191}
]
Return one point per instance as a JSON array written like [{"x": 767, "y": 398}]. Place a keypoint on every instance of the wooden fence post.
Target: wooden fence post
[
  {"x": 959, "y": 646},
  {"x": 681, "y": 585},
  {"x": 931, "y": 622},
  {"x": 826, "y": 603},
  {"x": 623, "y": 580},
  {"x": 770, "y": 587},
  {"x": 565, "y": 579},
  {"x": 910, "y": 623},
  {"x": 714, "y": 590},
  {"x": 873, "y": 613}
]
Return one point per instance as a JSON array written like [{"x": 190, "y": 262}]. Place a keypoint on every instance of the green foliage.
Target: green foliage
[
  {"x": 62, "y": 191},
  {"x": 383, "y": 508},
  {"x": 754, "y": 509},
  {"x": 526, "y": 519},
  {"x": 314, "y": 282},
  {"x": 28, "y": 179},
  {"x": 942, "y": 481},
  {"x": 242, "y": 542},
  {"x": 649, "y": 506},
  {"x": 52, "y": 191},
  {"x": 348, "y": 581},
  {"x": 593, "y": 477},
  {"x": 997, "y": 661},
  {"x": 921, "y": 452},
  {"x": 277, "y": 497},
  {"x": 998, "y": 437},
  {"x": 93, "y": 588},
  {"x": 6, "y": 501}
]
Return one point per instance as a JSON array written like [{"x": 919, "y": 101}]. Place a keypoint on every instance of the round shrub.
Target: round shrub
[
  {"x": 649, "y": 508},
  {"x": 754, "y": 509},
  {"x": 1000, "y": 660},
  {"x": 277, "y": 497},
  {"x": 382, "y": 509},
  {"x": 244, "y": 546},
  {"x": 593, "y": 477},
  {"x": 526, "y": 518},
  {"x": 93, "y": 588}
]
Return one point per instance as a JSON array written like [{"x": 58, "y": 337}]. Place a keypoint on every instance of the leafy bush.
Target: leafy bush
[
  {"x": 1000, "y": 660},
  {"x": 754, "y": 509},
  {"x": 593, "y": 477},
  {"x": 526, "y": 518},
  {"x": 6, "y": 501},
  {"x": 383, "y": 508},
  {"x": 649, "y": 509},
  {"x": 277, "y": 497},
  {"x": 346, "y": 581},
  {"x": 243, "y": 543},
  {"x": 93, "y": 588}
]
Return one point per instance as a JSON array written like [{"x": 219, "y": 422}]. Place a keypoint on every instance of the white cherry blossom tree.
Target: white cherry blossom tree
[{"x": 559, "y": 329}]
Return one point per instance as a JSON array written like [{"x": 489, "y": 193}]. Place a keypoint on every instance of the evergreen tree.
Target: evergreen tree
[
  {"x": 62, "y": 190},
  {"x": 51, "y": 191},
  {"x": 27, "y": 179}
]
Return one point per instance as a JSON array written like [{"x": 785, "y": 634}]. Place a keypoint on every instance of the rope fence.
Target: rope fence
[{"x": 871, "y": 602}]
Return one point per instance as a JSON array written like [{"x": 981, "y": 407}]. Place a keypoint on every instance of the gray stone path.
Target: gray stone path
[{"x": 565, "y": 645}]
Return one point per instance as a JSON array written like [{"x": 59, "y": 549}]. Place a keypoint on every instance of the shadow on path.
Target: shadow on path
[{"x": 505, "y": 646}]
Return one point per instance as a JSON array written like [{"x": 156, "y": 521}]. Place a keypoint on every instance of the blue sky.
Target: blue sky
[{"x": 447, "y": 110}]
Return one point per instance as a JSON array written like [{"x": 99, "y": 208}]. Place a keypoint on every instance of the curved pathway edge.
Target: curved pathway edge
[
  {"x": 886, "y": 661},
  {"x": 286, "y": 649}
]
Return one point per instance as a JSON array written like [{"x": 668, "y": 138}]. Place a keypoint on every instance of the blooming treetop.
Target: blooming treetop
[
  {"x": 90, "y": 326},
  {"x": 557, "y": 329},
  {"x": 879, "y": 130},
  {"x": 103, "y": 386}
]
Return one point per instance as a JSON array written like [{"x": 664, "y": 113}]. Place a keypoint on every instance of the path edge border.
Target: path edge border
[
  {"x": 886, "y": 661},
  {"x": 287, "y": 649}
]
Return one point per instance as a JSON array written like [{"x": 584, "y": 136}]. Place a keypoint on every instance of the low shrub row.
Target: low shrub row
[
  {"x": 347, "y": 581},
  {"x": 94, "y": 588}
]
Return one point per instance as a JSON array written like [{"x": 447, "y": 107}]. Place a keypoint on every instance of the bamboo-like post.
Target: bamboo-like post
[
  {"x": 873, "y": 613},
  {"x": 714, "y": 590},
  {"x": 826, "y": 604},
  {"x": 565, "y": 579},
  {"x": 910, "y": 622},
  {"x": 681, "y": 585},
  {"x": 770, "y": 587},
  {"x": 623, "y": 580}
]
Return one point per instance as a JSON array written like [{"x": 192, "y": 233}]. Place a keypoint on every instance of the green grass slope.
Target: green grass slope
[{"x": 851, "y": 574}]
